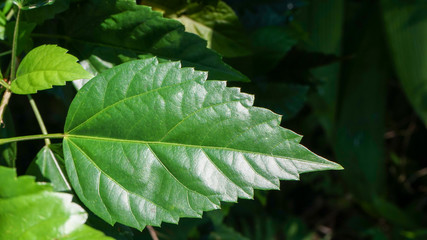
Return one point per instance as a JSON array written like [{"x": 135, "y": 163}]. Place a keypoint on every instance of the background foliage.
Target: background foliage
[{"x": 349, "y": 75}]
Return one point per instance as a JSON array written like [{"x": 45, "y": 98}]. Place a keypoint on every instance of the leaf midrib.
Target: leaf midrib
[
  {"x": 123, "y": 100},
  {"x": 190, "y": 146}
]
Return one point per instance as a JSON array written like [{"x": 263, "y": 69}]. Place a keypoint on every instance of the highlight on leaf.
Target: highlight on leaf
[
  {"x": 32, "y": 210},
  {"x": 148, "y": 142}
]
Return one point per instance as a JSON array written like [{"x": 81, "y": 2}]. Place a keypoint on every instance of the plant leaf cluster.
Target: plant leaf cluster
[{"x": 148, "y": 139}]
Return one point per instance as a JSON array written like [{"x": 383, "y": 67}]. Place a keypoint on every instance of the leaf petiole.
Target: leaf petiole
[
  {"x": 39, "y": 118},
  {"x": 4, "y": 84},
  {"x": 31, "y": 137}
]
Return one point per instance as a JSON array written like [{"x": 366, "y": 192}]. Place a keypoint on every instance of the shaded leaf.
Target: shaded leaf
[
  {"x": 223, "y": 232},
  {"x": 30, "y": 210},
  {"x": 44, "y": 67},
  {"x": 283, "y": 98},
  {"x": 25, "y": 43},
  {"x": 325, "y": 20},
  {"x": 8, "y": 152},
  {"x": 52, "y": 167},
  {"x": 216, "y": 23},
  {"x": 407, "y": 40},
  {"x": 148, "y": 142},
  {"x": 39, "y": 15},
  {"x": 122, "y": 31},
  {"x": 271, "y": 44},
  {"x": 359, "y": 138},
  {"x": 31, "y": 4}
]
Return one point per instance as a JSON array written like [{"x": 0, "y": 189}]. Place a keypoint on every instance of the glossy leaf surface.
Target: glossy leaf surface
[
  {"x": 44, "y": 67},
  {"x": 120, "y": 31},
  {"x": 148, "y": 142},
  {"x": 51, "y": 165},
  {"x": 30, "y": 210}
]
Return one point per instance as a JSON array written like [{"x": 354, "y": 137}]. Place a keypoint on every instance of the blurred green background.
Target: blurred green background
[{"x": 349, "y": 75}]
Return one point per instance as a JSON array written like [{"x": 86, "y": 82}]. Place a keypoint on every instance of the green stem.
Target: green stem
[
  {"x": 5, "y": 53},
  {"x": 15, "y": 47},
  {"x": 39, "y": 118},
  {"x": 4, "y": 84},
  {"x": 31, "y": 137}
]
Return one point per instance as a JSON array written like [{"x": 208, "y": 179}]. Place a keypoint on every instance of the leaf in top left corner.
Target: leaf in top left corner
[
  {"x": 31, "y": 4},
  {"x": 44, "y": 67}
]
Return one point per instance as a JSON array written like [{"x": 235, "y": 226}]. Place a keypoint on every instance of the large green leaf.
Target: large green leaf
[
  {"x": 147, "y": 142},
  {"x": 51, "y": 165},
  {"x": 44, "y": 67},
  {"x": 119, "y": 31},
  {"x": 30, "y": 210},
  {"x": 407, "y": 37}
]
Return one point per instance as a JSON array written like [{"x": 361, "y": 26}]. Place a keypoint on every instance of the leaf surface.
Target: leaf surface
[
  {"x": 216, "y": 23},
  {"x": 44, "y": 67},
  {"x": 148, "y": 142},
  {"x": 120, "y": 31},
  {"x": 407, "y": 35},
  {"x": 30, "y": 210},
  {"x": 30, "y": 4},
  {"x": 51, "y": 165}
]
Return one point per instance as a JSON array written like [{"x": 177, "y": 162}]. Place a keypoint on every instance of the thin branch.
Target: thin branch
[
  {"x": 152, "y": 232},
  {"x": 5, "y": 100}
]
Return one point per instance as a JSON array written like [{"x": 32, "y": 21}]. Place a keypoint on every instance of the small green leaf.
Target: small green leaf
[
  {"x": 148, "y": 142},
  {"x": 44, "y": 67},
  {"x": 52, "y": 167},
  {"x": 31, "y": 4},
  {"x": 30, "y": 210}
]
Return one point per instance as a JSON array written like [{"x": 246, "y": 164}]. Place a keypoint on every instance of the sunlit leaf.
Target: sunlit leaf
[
  {"x": 44, "y": 67},
  {"x": 30, "y": 210},
  {"x": 147, "y": 142}
]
